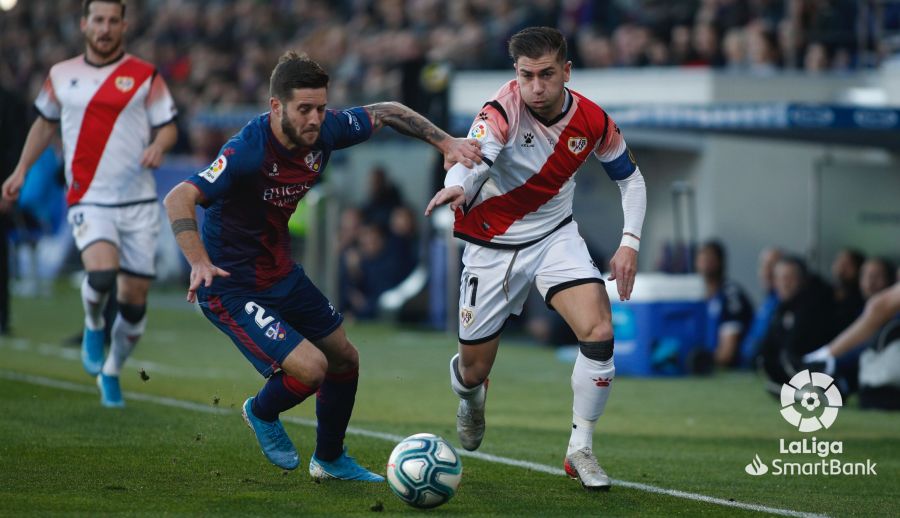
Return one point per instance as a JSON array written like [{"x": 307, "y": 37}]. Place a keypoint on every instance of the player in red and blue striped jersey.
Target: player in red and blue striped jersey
[{"x": 242, "y": 274}]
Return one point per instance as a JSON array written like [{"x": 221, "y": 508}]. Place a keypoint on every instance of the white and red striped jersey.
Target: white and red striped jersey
[
  {"x": 523, "y": 190},
  {"x": 106, "y": 114}
]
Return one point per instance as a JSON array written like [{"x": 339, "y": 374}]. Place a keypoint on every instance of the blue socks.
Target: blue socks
[{"x": 334, "y": 405}]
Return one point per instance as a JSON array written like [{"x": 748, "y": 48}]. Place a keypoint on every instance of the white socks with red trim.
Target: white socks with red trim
[{"x": 591, "y": 384}]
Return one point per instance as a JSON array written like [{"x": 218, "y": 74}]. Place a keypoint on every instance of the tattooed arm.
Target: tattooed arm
[{"x": 408, "y": 122}]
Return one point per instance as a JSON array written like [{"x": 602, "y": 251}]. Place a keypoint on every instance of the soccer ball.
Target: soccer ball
[{"x": 424, "y": 470}]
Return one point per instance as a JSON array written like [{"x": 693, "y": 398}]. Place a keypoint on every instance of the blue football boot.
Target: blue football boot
[
  {"x": 341, "y": 468},
  {"x": 110, "y": 392},
  {"x": 92, "y": 351},
  {"x": 274, "y": 441}
]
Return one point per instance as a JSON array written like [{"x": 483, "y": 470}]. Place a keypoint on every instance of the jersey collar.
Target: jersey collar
[{"x": 97, "y": 65}]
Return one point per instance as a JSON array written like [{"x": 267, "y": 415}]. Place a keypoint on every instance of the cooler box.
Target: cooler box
[{"x": 660, "y": 326}]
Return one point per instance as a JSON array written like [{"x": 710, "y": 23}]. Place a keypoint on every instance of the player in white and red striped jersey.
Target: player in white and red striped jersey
[
  {"x": 107, "y": 104},
  {"x": 515, "y": 213}
]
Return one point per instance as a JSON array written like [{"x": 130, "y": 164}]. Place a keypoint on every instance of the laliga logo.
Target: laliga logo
[{"x": 818, "y": 397}]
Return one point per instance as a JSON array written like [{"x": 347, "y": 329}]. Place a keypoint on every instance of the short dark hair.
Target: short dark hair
[
  {"x": 534, "y": 42},
  {"x": 86, "y": 4},
  {"x": 797, "y": 262},
  {"x": 857, "y": 257},
  {"x": 295, "y": 71},
  {"x": 718, "y": 249},
  {"x": 887, "y": 266}
]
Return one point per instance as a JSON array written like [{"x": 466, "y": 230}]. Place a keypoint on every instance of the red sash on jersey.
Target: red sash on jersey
[
  {"x": 99, "y": 119},
  {"x": 495, "y": 215}
]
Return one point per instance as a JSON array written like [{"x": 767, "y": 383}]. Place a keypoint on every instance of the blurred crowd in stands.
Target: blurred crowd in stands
[
  {"x": 218, "y": 54},
  {"x": 377, "y": 246}
]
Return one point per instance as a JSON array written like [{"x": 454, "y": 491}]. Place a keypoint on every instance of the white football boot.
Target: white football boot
[
  {"x": 470, "y": 423},
  {"x": 582, "y": 465}
]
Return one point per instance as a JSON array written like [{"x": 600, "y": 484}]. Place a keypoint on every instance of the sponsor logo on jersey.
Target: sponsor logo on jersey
[
  {"x": 482, "y": 116},
  {"x": 352, "y": 120},
  {"x": 313, "y": 160},
  {"x": 124, "y": 83},
  {"x": 466, "y": 317},
  {"x": 479, "y": 130},
  {"x": 211, "y": 173},
  {"x": 286, "y": 195},
  {"x": 528, "y": 139},
  {"x": 577, "y": 144},
  {"x": 274, "y": 171}
]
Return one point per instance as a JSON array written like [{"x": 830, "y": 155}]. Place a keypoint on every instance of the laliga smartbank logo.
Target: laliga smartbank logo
[
  {"x": 810, "y": 402},
  {"x": 817, "y": 395}
]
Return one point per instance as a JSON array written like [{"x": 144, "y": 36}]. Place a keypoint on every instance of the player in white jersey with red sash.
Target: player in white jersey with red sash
[
  {"x": 515, "y": 213},
  {"x": 107, "y": 105}
]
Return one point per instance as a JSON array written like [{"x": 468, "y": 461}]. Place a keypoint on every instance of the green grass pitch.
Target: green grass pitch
[{"x": 181, "y": 448}]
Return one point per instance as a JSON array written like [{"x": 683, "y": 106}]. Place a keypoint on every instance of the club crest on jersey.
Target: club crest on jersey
[
  {"x": 577, "y": 144},
  {"x": 211, "y": 173},
  {"x": 124, "y": 83},
  {"x": 478, "y": 131},
  {"x": 313, "y": 160},
  {"x": 466, "y": 317}
]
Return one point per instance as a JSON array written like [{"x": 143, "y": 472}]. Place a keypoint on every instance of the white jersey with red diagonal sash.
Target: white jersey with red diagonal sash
[
  {"x": 106, "y": 115},
  {"x": 524, "y": 189}
]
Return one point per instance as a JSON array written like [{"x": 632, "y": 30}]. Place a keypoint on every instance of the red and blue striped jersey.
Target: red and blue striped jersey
[{"x": 252, "y": 189}]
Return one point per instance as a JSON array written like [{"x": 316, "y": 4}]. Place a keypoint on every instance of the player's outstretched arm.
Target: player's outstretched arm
[
  {"x": 166, "y": 137},
  {"x": 180, "y": 203},
  {"x": 38, "y": 139},
  {"x": 408, "y": 122},
  {"x": 878, "y": 311}
]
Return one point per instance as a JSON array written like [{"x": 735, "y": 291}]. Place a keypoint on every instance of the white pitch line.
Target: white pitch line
[
  {"x": 73, "y": 354},
  {"x": 542, "y": 468}
]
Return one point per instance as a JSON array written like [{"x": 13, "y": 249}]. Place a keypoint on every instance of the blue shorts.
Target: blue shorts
[{"x": 267, "y": 325}]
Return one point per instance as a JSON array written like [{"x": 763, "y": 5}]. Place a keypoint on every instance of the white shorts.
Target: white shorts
[
  {"x": 133, "y": 229},
  {"x": 496, "y": 282}
]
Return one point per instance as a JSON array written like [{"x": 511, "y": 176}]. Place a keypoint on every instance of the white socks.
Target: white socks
[
  {"x": 94, "y": 303},
  {"x": 125, "y": 336},
  {"x": 474, "y": 395},
  {"x": 591, "y": 383}
]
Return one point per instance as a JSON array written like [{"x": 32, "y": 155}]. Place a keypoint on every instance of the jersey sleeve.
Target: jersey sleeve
[
  {"x": 236, "y": 159},
  {"x": 346, "y": 128},
  {"x": 46, "y": 103},
  {"x": 160, "y": 105},
  {"x": 735, "y": 309},
  {"x": 613, "y": 153},
  {"x": 491, "y": 130}
]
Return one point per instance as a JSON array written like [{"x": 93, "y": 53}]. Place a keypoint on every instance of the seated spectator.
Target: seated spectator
[
  {"x": 403, "y": 241},
  {"x": 878, "y": 331},
  {"x": 876, "y": 275},
  {"x": 800, "y": 321},
  {"x": 729, "y": 312},
  {"x": 370, "y": 270},
  {"x": 766, "y": 274},
  {"x": 383, "y": 198},
  {"x": 848, "y": 300}
]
